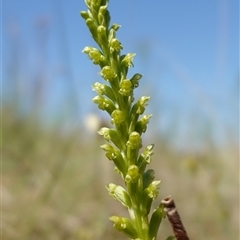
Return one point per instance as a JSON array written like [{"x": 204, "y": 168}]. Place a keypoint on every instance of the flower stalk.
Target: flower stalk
[{"x": 116, "y": 97}]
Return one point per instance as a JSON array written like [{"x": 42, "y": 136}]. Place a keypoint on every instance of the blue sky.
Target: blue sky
[{"x": 186, "y": 50}]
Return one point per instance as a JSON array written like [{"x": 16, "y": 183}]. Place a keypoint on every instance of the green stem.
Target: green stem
[{"x": 141, "y": 222}]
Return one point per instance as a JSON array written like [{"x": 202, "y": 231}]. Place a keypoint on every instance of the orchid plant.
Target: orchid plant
[{"x": 124, "y": 140}]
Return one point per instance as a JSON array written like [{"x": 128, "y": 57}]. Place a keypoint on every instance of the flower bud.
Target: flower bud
[
  {"x": 92, "y": 27},
  {"x": 88, "y": 3},
  {"x": 155, "y": 221},
  {"x": 103, "y": 9},
  {"x": 101, "y": 19},
  {"x": 84, "y": 15},
  {"x": 115, "y": 27},
  {"x": 148, "y": 178},
  {"x": 95, "y": 4},
  {"x": 118, "y": 119},
  {"x": 135, "y": 80},
  {"x": 101, "y": 30},
  {"x": 133, "y": 181}
]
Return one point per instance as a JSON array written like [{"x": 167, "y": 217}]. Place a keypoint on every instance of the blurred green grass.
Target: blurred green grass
[{"x": 53, "y": 185}]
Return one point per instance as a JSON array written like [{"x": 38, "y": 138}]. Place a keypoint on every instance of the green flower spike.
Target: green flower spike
[{"x": 124, "y": 139}]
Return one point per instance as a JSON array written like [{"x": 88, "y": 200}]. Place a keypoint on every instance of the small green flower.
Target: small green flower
[
  {"x": 104, "y": 104},
  {"x": 145, "y": 158},
  {"x": 124, "y": 225},
  {"x": 120, "y": 194},
  {"x": 135, "y": 141},
  {"x": 149, "y": 194},
  {"x": 141, "y": 125},
  {"x": 94, "y": 54},
  {"x": 115, "y": 45},
  {"x": 111, "y": 135},
  {"x": 103, "y": 89},
  {"x": 128, "y": 60},
  {"x": 126, "y": 88},
  {"x": 108, "y": 73},
  {"x": 114, "y": 155},
  {"x": 117, "y": 117},
  {"x": 99, "y": 88},
  {"x": 152, "y": 189},
  {"x": 141, "y": 104},
  {"x": 132, "y": 174},
  {"x": 111, "y": 155}
]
